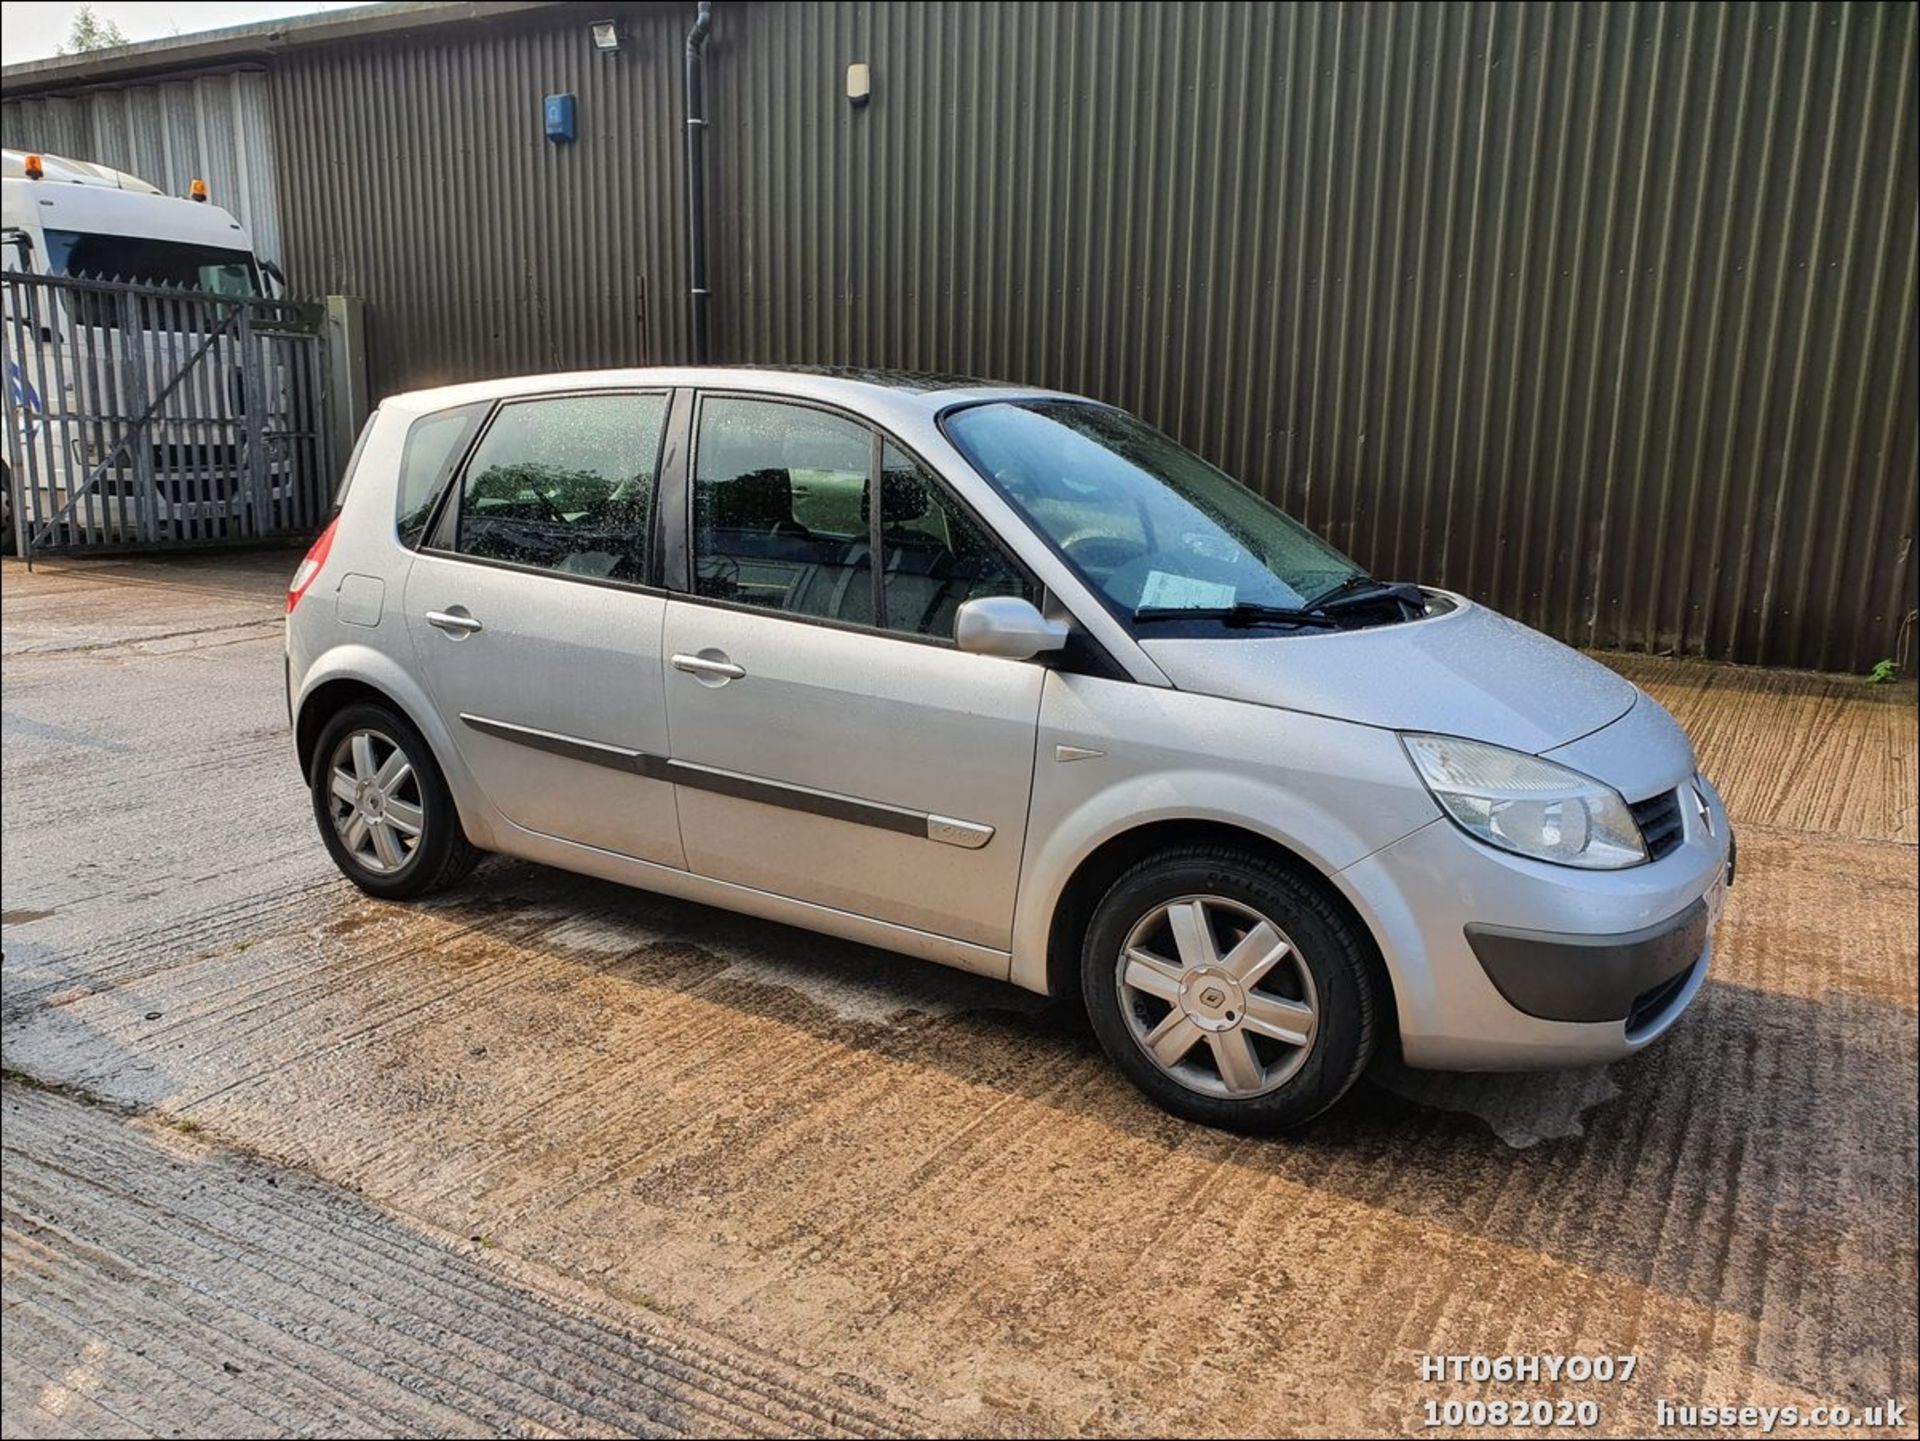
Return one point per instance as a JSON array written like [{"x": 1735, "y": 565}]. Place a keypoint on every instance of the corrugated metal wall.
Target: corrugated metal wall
[
  {"x": 418, "y": 176},
  {"x": 216, "y": 127},
  {"x": 1601, "y": 313}
]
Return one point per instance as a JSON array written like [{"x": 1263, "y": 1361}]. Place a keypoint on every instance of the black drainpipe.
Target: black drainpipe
[{"x": 697, "y": 177}]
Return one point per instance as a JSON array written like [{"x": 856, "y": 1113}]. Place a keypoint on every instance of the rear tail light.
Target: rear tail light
[{"x": 309, "y": 570}]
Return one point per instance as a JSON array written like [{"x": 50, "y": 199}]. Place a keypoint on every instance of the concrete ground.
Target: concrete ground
[{"x": 547, "y": 1156}]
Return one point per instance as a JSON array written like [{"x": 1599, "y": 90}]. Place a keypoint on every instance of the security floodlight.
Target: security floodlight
[{"x": 606, "y": 36}]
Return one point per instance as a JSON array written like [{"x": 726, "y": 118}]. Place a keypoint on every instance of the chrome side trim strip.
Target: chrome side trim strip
[
  {"x": 799, "y": 798},
  {"x": 573, "y": 747},
  {"x": 969, "y": 835}
]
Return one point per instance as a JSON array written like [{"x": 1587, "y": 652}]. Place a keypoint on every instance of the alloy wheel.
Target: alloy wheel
[
  {"x": 1218, "y": 996},
  {"x": 375, "y": 801}
]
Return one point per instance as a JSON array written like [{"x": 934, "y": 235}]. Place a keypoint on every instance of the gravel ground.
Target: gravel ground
[{"x": 548, "y": 1156}]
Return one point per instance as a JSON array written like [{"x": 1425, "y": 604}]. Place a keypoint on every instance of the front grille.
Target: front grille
[
  {"x": 1651, "y": 1006},
  {"x": 196, "y": 458},
  {"x": 183, "y": 473},
  {"x": 1660, "y": 825}
]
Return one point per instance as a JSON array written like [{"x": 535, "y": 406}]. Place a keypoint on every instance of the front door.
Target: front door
[
  {"x": 538, "y": 643},
  {"x": 830, "y": 743}
]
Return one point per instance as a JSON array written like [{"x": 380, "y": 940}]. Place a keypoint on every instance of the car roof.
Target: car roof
[
  {"x": 866, "y": 390},
  {"x": 913, "y": 382}
]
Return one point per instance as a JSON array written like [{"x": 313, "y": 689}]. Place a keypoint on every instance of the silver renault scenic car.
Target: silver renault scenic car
[{"x": 1006, "y": 679}]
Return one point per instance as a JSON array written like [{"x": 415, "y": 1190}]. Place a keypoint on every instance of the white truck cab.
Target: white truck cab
[
  {"x": 69, "y": 217},
  {"x": 66, "y": 350}
]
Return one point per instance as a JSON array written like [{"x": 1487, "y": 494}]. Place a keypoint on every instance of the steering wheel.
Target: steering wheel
[{"x": 1097, "y": 552}]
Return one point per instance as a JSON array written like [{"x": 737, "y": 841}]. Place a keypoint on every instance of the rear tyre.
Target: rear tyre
[
  {"x": 1229, "y": 989},
  {"x": 383, "y": 807}
]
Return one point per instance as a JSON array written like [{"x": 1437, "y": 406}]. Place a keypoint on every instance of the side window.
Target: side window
[
  {"x": 778, "y": 515},
  {"x": 566, "y": 484},
  {"x": 434, "y": 443},
  {"x": 934, "y": 555}
]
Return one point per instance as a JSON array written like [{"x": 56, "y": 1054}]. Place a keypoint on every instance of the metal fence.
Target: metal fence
[{"x": 141, "y": 416}]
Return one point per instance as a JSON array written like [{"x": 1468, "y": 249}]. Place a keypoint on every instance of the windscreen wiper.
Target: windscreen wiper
[
  {"x": 1239, "y": 614},
  {"x": 1361, "y": 589}
]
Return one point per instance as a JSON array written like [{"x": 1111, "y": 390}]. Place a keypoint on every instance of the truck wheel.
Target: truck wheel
[
  {"x": 1229, "y": 989},
  {"x": 383, "y": 806}
]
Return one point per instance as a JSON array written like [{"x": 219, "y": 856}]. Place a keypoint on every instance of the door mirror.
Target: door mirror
[{"x": 1006, "y": 625}]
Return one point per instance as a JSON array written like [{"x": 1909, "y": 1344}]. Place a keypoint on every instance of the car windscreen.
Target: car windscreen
[
  {"x": 147, "y": 261},
  {"x": 1150, "y": 525}
]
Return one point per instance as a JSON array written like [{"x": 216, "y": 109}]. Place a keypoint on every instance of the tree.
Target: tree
[{"x": 90, "y": 32}]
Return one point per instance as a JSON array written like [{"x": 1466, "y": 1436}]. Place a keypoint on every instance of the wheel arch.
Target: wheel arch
[
  {"x": 338, "y": 681},
  {"x": 1096, "y": 872},
  {"x": 327, "y": 700}
]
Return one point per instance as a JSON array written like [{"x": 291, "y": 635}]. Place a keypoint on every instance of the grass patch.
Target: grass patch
[{"x": 26, "y": 1080}]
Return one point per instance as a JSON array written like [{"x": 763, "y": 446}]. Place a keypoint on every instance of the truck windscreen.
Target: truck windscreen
[{"x": 151, "y": 262}]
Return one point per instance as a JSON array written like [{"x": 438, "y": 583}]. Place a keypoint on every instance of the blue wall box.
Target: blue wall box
[{"x": 559, "y": 113}]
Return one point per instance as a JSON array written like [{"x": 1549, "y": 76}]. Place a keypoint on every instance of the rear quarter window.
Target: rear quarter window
[{"x": 434, "y": 446}]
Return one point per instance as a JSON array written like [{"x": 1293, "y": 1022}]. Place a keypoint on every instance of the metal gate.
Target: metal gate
[{"x": 140, "y": 416}]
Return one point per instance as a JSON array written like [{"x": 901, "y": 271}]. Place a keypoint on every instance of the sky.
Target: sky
[{"x": 35, "y": 29}]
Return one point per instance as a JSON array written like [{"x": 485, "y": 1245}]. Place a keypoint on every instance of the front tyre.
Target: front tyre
[
  {"x": 1231, "y": 990},
  {"x": 383, "y": 806}
]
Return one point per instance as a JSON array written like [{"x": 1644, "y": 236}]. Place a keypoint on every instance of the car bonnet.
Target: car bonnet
[{"x": 1468, "y": 672}]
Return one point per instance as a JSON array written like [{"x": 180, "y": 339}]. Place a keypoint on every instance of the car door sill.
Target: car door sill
[{"x": 628, "y": 870}]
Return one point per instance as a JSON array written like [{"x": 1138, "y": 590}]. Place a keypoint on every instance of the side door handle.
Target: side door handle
[
  {"x": 455, "y": 622},
  {"x": 709, "y": 667}
]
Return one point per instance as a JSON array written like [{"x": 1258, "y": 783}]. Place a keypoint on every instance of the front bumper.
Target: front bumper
[
  {"x": 117, "y": 501},
  {"x": 1557, "y": 977},
  {"x": 1502, "y": 963}
]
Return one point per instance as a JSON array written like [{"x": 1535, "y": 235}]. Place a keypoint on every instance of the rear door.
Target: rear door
[
  {"x": 536, "y": 626},
  {"x": 830, "y": 743}
]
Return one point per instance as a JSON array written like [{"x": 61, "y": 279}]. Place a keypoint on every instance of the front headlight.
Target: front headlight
[{"x": 1523, "y": 804}]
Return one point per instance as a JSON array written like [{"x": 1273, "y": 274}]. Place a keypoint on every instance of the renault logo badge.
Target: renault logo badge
[{"x": 1701, "y": 807}]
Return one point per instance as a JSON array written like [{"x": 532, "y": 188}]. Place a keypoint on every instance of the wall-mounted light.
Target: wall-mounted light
[
  {"x": 859, "y": 84},
  {"x": 606, "y": 36}
]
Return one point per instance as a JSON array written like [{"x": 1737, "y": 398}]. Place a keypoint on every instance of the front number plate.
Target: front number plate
[{"x": 1716, "y": 899}]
